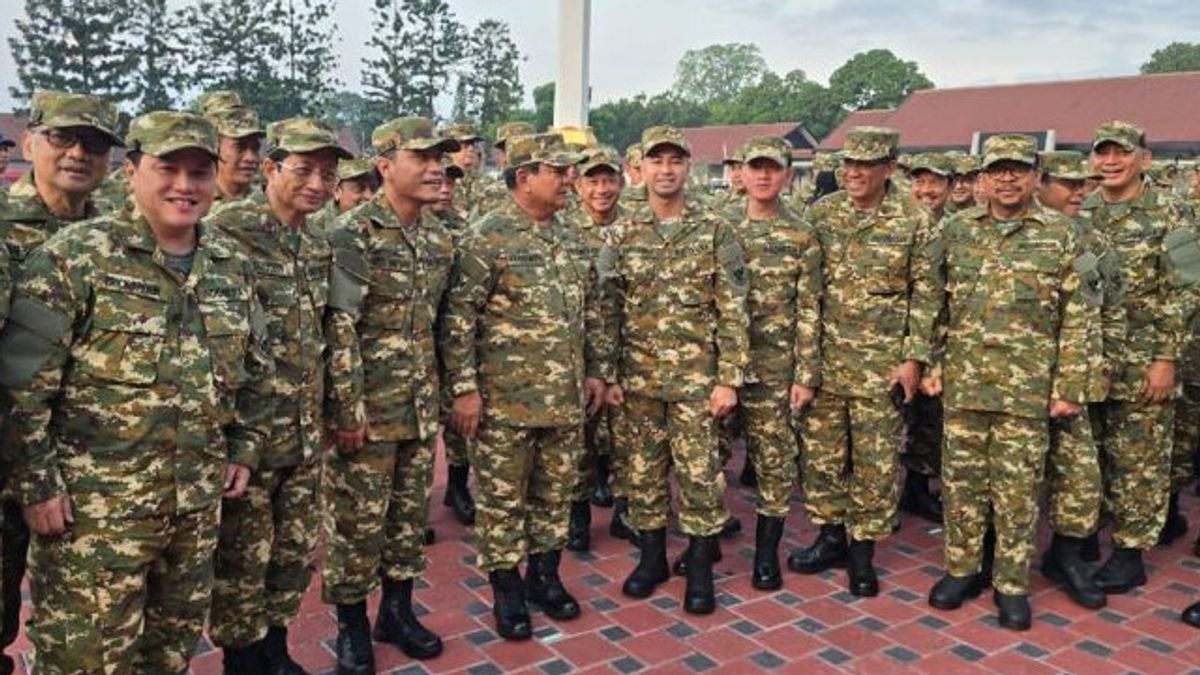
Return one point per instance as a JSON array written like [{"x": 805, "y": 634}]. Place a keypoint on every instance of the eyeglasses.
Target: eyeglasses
[
  {"x": 305, "y": 174},
  {"x": 1013, "y": 170},
  {"x": 64, "y": 139}
]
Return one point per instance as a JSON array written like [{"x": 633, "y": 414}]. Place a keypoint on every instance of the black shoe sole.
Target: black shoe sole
[{"x": 839, "y": 564}]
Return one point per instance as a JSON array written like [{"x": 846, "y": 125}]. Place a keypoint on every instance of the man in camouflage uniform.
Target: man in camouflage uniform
[
  {"x": 68, "y": 145},
  {"x": 878, "y": 311},
  {"x": 1073, "y": 464},
  {"x": 493, "y": 193},
  {"x": 783, "y": 257},
  {"x": 470, "y": 161},
  {"x": 393, "y": 261},
  {"x": 1021, "y": 293},
  {"x": 1160, "y": 266},
  {"x": 675, "y": 298},
  {"x": 241, "y": 142},
  {"x": 267, "y": 538},
  {"x": 599, "y": 188},
  {"x": 634, "y": 192},
  {"x": 133, "y": 361},
  {"x": 357, "y": 183},
  {"x": 962, "y": 187},
  {"x": 735, "y": 192},
  {"x": 523, "y": 354}
]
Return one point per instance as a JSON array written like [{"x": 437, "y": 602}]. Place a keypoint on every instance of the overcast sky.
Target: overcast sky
[{"x": 636, "y": 43}]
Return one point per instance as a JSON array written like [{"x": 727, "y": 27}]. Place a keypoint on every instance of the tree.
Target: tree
[
  {"x": 307, "y": 79},
  {"x": 543, "y": 105},
  {"x": 791, "y": 98},
  {"x": 1176, "y": 57},
  {"x": 417, "y": 43},
  {"x": 79, "y": 46},
  {"x": 354, "y": 112},
  {"x": 235, "y": 45},
  {"x": 384, "y": 79},
  {"x": 876, "y": 79},
  {"x": 489, "y": 88},
  {"x": 156, "y": 29},
  {"x": 718, "y": 72},
  {"x": 621, "y": 122}
]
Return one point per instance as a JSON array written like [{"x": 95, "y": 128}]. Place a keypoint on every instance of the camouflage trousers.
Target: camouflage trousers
[
  {"x": 265, "y": 553},
  {"x": 1136, "y": 441},
  {"x": 376, "y": 505},
  {"x": 1186, "y": 438},
  {"x": 730, "y": 430},
  {"x": 597, "y": 442},
  {"x": 526, "y": 478},
  {"x": 923, "y": 421},
  {"x": 120, "y": 596},
  {"x": 660, "y": 435},
  {"x": 1073, "y": 477},
  {"x": 851, "y": 464},
  {"x": 992, "y": 464},
  {"x": 774, "y": 444},
  {"x": 456, "y": 446}
]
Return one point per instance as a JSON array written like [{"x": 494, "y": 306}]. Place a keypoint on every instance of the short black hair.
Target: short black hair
[
  {"x": 510, "y": 174},
  {"x": 278, "y": 155}
]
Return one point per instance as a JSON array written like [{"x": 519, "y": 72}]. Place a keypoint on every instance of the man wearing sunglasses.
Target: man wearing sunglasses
[{"x": 67, "y": 143}]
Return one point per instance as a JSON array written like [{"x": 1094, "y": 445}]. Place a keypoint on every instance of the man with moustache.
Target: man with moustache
[
  {"x": 140, "y": 393},
  {"x": 68, "y": 144},
  {"x": 268, "y": 536}
]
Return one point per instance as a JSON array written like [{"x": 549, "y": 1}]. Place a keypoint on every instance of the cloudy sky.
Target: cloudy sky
[{"x": 636, "y": 43}]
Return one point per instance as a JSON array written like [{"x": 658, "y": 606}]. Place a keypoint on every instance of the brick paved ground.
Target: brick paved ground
[{"x": 811, "y": 626}]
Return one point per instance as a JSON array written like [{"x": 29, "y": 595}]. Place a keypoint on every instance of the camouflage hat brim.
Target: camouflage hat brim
[
  {"x": 303, "y": 147},
  {"x": 1123, "y": 142},
  {"x": 649, "y": 149},
  {"x": 69, "y": 122},
  {"x": 998, "y": 157},
  {"x": 777, "y": 157},
  {"x": 427, "y": 144},
  {"x": 559, "y": 159},
  {"x": 587, "y": 167},
  {"x": 865, "y": 155},
  {"x": 168, "y": 147}
]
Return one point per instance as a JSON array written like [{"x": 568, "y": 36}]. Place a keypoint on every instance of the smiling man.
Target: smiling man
[
  {"x": 240, "y": 147},
  {"x": 962, "y": 185},
  {"x": 267, "y": 538},
  {"x": 141, "y": 394}
]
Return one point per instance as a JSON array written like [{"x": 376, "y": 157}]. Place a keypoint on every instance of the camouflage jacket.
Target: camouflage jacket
[
  {"x": 323, "y": 221},
  {"x": 675, "y": 304},
  {"x": 1107, "y": 330},
  {"x": 522, "y": 320},
  {"x": 468, "y": 191},
  {"x": 594, "y": 234},
  {"x": 489, "y": 194},
  {"x": 881, "y": 300},
  {"x": 1160, "y": 266},
  {"x": 633, "y": 196},
  {"x": 783, "y": 256},
  {"x": 388, "y": 282},
  {"x": 1019, "y": 311},
  {"x": 26, "y": 223},
  {"x": 291, "y": 274},
  {"x": 131, "y": 387}
]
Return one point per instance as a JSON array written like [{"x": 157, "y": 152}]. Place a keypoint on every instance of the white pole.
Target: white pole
[{"x": 571, "y": 88}]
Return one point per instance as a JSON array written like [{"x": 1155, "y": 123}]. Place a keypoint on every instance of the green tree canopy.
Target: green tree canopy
[
  {"x": 489, "y": 86},
  {"x": 791, "y": 98},
  {"x": 876, "y": 79},
  {"x": 1176, "y": 57},
  {"x": 718, "y": 72}
]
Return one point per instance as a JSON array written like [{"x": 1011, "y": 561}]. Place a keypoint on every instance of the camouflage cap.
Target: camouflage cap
[
  {"x": 215, "y": 101},
  {"x": 166, "y": 131},
  {"x": 452, "y": 170},
  {"x": 964, "y": 164},
  {"x": 303, "y": 134},
  {"x": 1066, "y": 165},
  {"x": 664, "y": 135},
  {"x": 409, "y": 133},
  {"x": 236, "y": 122},
  {"x": 903, "y": 160},
  {"x": 539, "y": 149},
  {"x": 355, "y": 168},
  {"x": 601, "y": 155},
  {"x": 509, "y": 129},
  {"x": 1125, "y": 134},
  {"x": 59, "y": 109},
  {"x": 868, "y": 144},
  {"x": 1009, "y": 147},
  {"x": 734, "y": 157},
  {"x": 826, "y": 161},
  {"x": 463, "y": 132},
  {"x": 633, "y": 155},
  {"x": 933, "y": 162},
  {"x": 774, "y": 148}
]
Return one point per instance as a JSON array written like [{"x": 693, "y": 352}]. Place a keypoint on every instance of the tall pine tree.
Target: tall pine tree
[
  {"x": 235, "y": 44},
  {"x": 307, "y": 67},
  {"x": 417, "y": 44},
  {"x": 489, "y": 88},
  {"x": 156, "y": 32},
  {"x": 384, "y": 75}
]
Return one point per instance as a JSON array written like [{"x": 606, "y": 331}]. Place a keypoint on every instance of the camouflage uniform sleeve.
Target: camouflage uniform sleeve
[
  {"x": 925, "y": 299},
  {"x": 35, "y": 346},
  {"x": 1179, "y": 281},
  {"x": 348, "y": 286},
  {"x": 255, "y": 409},
  {"x": 612, "y": 307},
  {"x": 733, "y": 317},
  {"x": 1077, "y": 314},
  {"x": 597, "y": 352},
  {"x": 938, "y": 333},
  {"x": 1113, "y": 315},
  {"x": 473, "y": 280},
  {"x": 807, "y": 348}
]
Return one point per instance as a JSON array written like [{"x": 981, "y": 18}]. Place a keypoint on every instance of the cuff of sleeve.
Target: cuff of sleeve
[
  {"x": 33, "y": 487},
  {"x": 1069, "y": 391},
  {"x": 731, "y": 376},
  {"x": 351, "y": 417},
  {"x": 244, "y": 451},
  {"x": 464, "y": 384},
  {"x": 806, "y": 377},
  {"x": 917, "y": 350}
]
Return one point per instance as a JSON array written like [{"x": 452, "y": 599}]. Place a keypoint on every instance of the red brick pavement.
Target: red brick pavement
[{"x": 811, "y": 626}]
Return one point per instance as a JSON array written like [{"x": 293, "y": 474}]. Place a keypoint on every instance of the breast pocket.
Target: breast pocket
[
  {"x": 884, "y": 266},
  {"x": 125, "y": 340},
  {"x": 1036, "y": 294},
  {"x": 389, "y": 302},
  {"x": 227, "y": 331}
]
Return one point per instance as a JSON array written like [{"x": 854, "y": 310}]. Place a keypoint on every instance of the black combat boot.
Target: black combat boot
[
  {"x": 579, "y": 530},
  {"x": 619, "y": 526},
  {"x": 1089, "y": 548},
  {"x": 828, "y": 550},
  {"x": 397, "y": 624},
  {"x": 698, "y": 596},
  {"x": 731, "y": 528},
  {"x": 275, "y": 653},
  {"x": 1122, "y": 572},
  {"x": 950, "y": 592},
  {"x": 458, "y": 494},
  {"x": 429, "y": 536},
  {"x": 1175, "y": 526},
  {"x": 1191, "y": 615},
  {"x": 544, "y": 588},
  {"x": 508, "y": 605},
  {"x": 651, "y": 569},
  {"x": 248, "y": 660},
  {"x": 864, "y": 582},
  {"x": 988, "y": 558},
  {"x": 768, "y": 530},
  {"x": 353, "y": 646},
  {"x": 1064, "y": 565},
  {"x": 1014, "y": 611},
  {"x": 680, "y": 567},
  {"x": 918, "y": 500},
  {"x": 602, "y": 495},
  {"x": 749, "y": 476}
]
